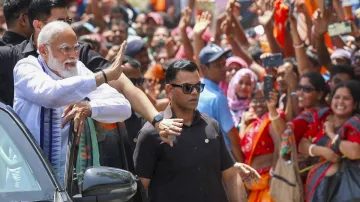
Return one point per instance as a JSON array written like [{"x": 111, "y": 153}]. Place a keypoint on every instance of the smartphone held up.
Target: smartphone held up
[
  {"x": 274, "y": 60},
  {"x": 269, "y": 82},
  {"x": 339, "y": 28}
]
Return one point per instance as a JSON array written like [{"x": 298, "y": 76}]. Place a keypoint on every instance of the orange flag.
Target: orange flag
[{"x": 312, "y": 5}]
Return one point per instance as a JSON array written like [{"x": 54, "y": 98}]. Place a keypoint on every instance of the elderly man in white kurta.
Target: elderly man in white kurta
[{"x": 46, "y": 85}]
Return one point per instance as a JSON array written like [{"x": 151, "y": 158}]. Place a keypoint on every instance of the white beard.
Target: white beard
[{"x": 60, "y": 68}]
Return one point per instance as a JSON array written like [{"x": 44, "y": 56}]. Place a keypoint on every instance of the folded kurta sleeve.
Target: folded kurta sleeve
[{"x": 108, "y": 105}]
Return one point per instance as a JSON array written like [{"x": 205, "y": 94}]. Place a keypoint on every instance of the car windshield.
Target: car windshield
[{"x": 23, "y": 176}]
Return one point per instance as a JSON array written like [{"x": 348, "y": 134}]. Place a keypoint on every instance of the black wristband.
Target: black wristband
[
  {"x": 157, "y": 118},
  {"x": 102, "y": 71}
]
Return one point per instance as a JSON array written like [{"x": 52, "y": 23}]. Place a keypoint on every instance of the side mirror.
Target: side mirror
[{"x": 108, "y": 184}]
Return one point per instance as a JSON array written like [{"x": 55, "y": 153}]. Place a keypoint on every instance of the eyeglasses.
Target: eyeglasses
[
  {"x": 188, "y": 88},
  {"x": 139, "y": 81},
  {"x": 65, "y": 49},
  {"x": 306, "y": 89}
]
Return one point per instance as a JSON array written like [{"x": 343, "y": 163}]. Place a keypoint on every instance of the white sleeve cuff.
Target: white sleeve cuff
[{"x": 94, "y": 110}]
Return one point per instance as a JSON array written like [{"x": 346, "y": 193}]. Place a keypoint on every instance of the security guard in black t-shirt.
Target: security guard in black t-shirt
[{"x": 199, "y": 166}]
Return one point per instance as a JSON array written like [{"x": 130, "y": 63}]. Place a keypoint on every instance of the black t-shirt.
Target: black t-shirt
[
  {"x": 11, "y": 39},
  {"x": 10, "y": 55},
  {"x": 133, "y": 126},
  {"x": 189, "y": 171}
]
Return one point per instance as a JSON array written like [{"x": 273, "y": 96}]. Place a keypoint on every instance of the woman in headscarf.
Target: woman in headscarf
[
  {"x": 239, "y": 93},
  {"x": 233, "y": 64}
]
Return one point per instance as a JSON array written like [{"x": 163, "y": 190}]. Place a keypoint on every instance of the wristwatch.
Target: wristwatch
[{"x": 157, "y": 118}]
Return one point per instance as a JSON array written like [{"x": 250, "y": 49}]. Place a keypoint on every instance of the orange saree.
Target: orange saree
[{"x": 255, "y": 142}]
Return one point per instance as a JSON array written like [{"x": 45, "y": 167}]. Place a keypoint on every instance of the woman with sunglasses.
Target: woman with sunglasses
[
  {"x": 258, "y": 142},
  {"x": 310, "y": 94},
  {"x": 337, "y": 136},
  {"x": 310, "y": 98}
]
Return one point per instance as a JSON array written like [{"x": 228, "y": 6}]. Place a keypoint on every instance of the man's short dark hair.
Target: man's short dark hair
[
  {"x": 13, "y": 9},
  {"x": 342, "y": 69},
  {"x": 121, "y": 9},
  {"x": 134, "y": 63},
  {"x": 41, "y": 9},
  {"x": 179, "y": 65}
]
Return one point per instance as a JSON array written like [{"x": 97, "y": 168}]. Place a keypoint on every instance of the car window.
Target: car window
[
  {"x": 18, "y": 174},
  {"x": 23, "y": 176}
]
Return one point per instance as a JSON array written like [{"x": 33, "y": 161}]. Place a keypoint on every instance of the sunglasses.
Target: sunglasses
[
  {"x": 139, "y": 81},
  {"x": 188, "y": 88},
  {"x": 306, "y": 89}
]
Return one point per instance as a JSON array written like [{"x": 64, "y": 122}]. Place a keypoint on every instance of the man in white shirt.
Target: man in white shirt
[{"x": 46, "y": 85}]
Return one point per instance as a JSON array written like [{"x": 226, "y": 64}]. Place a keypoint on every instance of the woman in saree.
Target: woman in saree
[
  {"x": 239, "y": 93},
  {"x": 310, "y": 93},
  {"x": 310, "y": 98},
  {"x": 328, "y": 140},
  {"x": 259, "y": 142}
]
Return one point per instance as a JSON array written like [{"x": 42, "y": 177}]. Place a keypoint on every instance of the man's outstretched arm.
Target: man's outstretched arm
[
  {"x": 137, "y": 98},
  {"x": 141, "y": 104}
]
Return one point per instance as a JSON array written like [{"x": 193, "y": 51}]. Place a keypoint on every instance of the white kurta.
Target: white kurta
[{"x": 35, "y": 89}]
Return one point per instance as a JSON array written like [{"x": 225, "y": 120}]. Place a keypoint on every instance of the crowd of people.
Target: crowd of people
[{"x": 213, "y": 100}]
